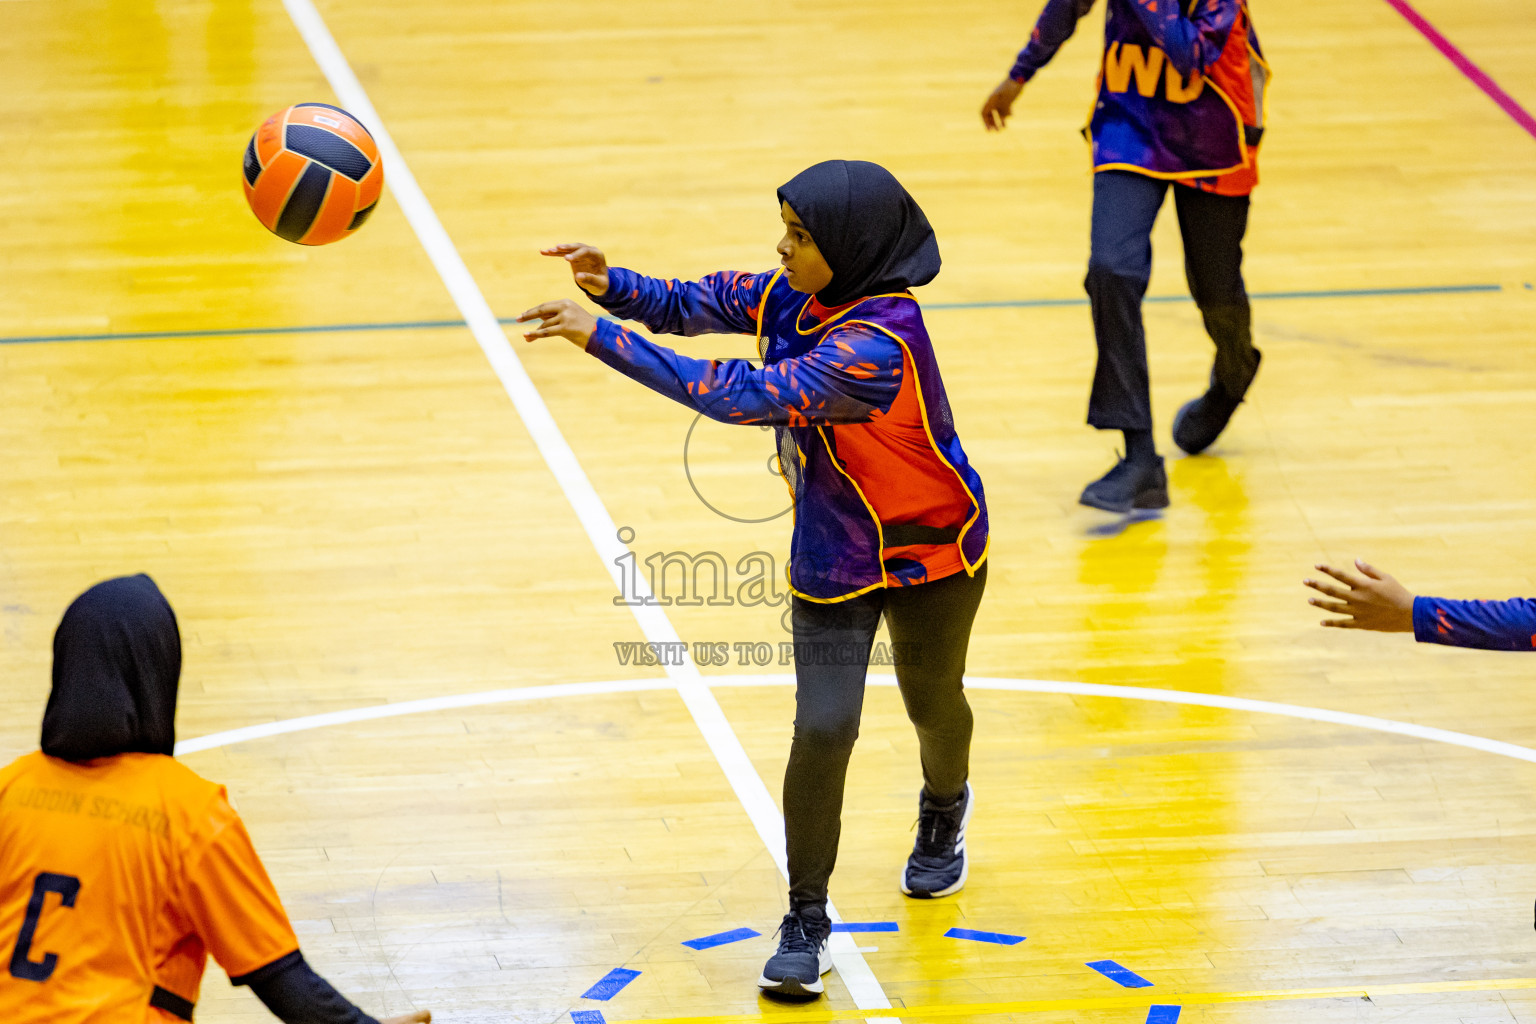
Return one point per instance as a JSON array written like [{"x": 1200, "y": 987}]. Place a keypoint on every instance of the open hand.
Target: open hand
[
  {"x": 588, "y": 265},
  {"x": 418, "y": 1017},
  {"x": 1376, "y": 601},
  {"x": 999, "y": 105},
  {"x": 561, "y": 319}
]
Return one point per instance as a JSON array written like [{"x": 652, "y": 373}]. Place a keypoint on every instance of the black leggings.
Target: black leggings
[
  {"x": 1125, "y": 205},
  {"x": 930, "y": 627}
]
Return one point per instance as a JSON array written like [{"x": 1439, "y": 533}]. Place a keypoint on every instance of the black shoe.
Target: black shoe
[
  {"x": 796, "y": 969},
  {"x": 939, "y": 864},
  {"x": 1201, "y": 420},
  {"x": 1139, "y": 484}
]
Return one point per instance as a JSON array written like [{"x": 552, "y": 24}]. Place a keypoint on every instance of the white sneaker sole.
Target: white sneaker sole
[
  {"x": 965, "y": 857},
  {"x": 796, "y": 987}
]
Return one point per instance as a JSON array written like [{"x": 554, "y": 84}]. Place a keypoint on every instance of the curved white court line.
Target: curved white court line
[{"x": 1144, "y": 693}]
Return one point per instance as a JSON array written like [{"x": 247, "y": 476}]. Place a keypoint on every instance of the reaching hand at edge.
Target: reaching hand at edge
[
  {"x": 418, "y": 1017},
  {"x": 1374, "y": 601}
]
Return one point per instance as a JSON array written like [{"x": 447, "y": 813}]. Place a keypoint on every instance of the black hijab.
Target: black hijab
[
  {"x": 116, "y": 665},
  {"x": 872, "y": 233}
]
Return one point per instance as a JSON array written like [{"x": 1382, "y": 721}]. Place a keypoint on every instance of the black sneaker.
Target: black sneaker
[
  {"x": 796, "y": 969},
  {"x": 1200, "y": 421},
  {"x": 939, "y": 864},
  {"x": 1130, "y": 485}
]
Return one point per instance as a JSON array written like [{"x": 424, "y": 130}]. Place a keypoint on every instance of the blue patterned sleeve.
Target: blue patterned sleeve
[
  {"x": 1054, "y": 26},
  {"x": 1489, "y": 625},
  {"x": 722, "y": 303},
  {"x": 852, "y": 376},
  {"x": 1192, "y": 42}
]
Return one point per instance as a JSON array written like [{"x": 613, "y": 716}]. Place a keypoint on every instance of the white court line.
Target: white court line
[
  {"x": 654, "y": 624},
  {"x": 1144, "y": 693},
  {"x": 416, "y": 707},
  {"x": 533, "y": 693}
]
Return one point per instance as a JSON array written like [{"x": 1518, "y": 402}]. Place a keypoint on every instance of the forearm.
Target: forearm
[
  {"x": 1191, "y": 43},
  {"x": 297, "y": 995},
  {"x": 722, "y": 303},
  {"x": 1488, "y": 625},
  {"x": 796, "y": 392},
  {"x": 1054, "y": 26}
]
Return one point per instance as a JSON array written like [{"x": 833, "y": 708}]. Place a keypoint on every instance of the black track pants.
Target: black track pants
[
  {"x": 930, "y": 627},
  {"x": 1125, "y": 205}
]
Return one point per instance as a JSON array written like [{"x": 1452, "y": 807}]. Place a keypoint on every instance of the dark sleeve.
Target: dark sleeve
[
  {"x": 1193, "y": 42},
  {"x": 722, "y": 303},
  {"x": 1489, "y": 625},
  {"x": 852, "y": 376},
  {"x": 1054, "y": 26},
  {"x": 297, "y": 995}
]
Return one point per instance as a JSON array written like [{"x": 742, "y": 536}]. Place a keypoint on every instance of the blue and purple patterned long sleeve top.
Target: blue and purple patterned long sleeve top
[{"x": 1490, "y": 625}]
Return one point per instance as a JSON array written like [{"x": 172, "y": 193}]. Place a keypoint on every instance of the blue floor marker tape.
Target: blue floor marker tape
[
  {"x": 587, "y": 1017},
  {"x": 612, "y": 982},
  {"x": 864, "y": 926},
  {"x": 1114, "y": 972},
  {"x": 1155, "y": 1015},
  {"x": 1001, "y": 938},
  {"x": 722, "y": 938}
]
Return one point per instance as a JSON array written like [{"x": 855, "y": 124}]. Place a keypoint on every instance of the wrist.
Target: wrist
[
  {"x": 1421, "y": 614},
  {"x": 615, "y": 285},
  {"x": 597, "y": 337}
]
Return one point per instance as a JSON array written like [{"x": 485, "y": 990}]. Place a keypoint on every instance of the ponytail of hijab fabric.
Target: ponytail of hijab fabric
[
  {"x": 116, "y": 668},
  {"x": 872, "y": 233}
]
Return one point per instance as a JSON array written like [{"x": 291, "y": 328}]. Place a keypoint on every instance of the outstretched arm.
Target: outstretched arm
[
  {"x": 723, "y": 303},
  {"x": 1376, "y": 601},
  {"x": 1490, "y": 625},
  {"x": 1193, "y": 42},
  {"x": 852, "y": 376}
]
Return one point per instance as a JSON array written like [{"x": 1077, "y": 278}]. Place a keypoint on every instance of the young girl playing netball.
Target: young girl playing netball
[{"x": 889, "y": 515}]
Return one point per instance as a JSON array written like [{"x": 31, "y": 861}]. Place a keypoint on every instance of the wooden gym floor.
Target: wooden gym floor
[{"x": 349, "y": 519}]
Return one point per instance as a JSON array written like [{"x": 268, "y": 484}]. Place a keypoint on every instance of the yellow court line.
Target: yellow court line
[{"x": 1141, "y": 1000}]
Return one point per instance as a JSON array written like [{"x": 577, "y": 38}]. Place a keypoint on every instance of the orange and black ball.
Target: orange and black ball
[{"x": 312, "y": 174}]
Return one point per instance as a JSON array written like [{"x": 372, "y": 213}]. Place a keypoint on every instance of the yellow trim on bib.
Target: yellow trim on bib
[{"x": 843, "y": 313}]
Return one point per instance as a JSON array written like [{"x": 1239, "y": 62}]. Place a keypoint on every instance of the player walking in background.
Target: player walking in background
[
  {"x": 1180, "y": 99},
  {"x": 890, "y": 518},
  {"x": 1376, "y": 601},
  {"x": 120, "y": 868}
]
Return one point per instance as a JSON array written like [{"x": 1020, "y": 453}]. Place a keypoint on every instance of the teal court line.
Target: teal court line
[
  {"x": 1339, "y": 293},
  {"x": 417, "y": 325}
]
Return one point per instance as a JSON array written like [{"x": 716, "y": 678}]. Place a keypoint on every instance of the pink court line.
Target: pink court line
[{"x": 1464, "y": 64}]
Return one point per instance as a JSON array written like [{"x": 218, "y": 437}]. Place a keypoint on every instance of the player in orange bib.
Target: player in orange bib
[{"x": 121, "y": 869}]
